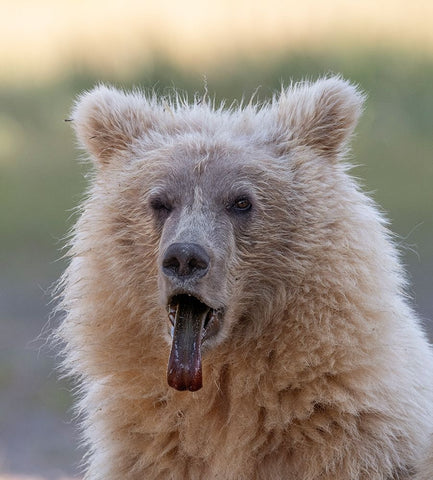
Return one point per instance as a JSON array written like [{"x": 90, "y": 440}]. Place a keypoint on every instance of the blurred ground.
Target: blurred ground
[{"x": 52, "y": 55}]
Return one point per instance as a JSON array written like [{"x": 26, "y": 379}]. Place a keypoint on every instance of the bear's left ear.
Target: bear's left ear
[
  {"x": 107, "y": 121},
  {"x": 320, "y": 115}
]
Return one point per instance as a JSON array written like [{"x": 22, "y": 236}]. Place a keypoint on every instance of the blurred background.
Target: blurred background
[{"x": 52, "y": 50}]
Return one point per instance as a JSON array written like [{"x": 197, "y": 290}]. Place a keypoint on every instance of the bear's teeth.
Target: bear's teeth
[{"x": 172, "y": 312}]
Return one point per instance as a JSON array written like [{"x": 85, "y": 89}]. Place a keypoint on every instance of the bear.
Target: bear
[
  {"x": 425, "y": 471},
  {"x": 234, "y": 306}
]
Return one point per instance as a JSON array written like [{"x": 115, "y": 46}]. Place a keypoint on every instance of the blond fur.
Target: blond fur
[
  {"x": 426, "y": 467},
  {"x": 321, "y": 370}
]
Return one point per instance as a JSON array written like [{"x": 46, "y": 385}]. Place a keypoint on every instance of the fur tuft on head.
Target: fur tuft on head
[{"x": 320, "y": 115}]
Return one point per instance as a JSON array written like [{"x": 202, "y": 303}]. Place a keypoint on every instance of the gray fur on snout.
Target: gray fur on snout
[{"x": 193, "y": 221}]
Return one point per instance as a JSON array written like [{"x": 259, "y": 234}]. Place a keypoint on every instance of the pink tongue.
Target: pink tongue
[{"x": 184, "y": 364}]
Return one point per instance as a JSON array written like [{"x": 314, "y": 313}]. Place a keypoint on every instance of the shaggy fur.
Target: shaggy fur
[
  {"x": 320, "y": 369},
  {"x": 426, "y": 467}
]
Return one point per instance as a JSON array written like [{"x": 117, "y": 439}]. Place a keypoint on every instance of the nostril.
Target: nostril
[
  {"x": 171, "y": 263},
  {"x": 195, "y": 263},
  {"x": 187, "y": 260}
]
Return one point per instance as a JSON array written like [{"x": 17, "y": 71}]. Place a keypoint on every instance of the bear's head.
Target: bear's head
[{"x": 220, "y": 216}]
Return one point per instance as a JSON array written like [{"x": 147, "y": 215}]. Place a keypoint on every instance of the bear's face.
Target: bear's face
[
  {"x": 205, "y": 209},
  {"x": 208, "y": 201}
]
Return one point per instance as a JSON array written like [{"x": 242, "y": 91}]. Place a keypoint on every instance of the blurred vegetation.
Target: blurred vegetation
[{"x": 41, "y": 181}]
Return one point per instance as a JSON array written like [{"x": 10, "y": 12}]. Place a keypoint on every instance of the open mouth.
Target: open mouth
[{"x": 193, "y": 322}]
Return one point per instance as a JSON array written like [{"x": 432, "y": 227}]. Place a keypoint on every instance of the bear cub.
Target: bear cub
[{"x": 234, "y": 304}]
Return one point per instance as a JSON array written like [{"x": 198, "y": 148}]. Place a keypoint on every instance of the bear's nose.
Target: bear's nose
[{"x": 185, "y": 260}]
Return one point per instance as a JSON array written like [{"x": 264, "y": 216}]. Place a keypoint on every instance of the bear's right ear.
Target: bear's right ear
[{"x": 107, "y": 121}]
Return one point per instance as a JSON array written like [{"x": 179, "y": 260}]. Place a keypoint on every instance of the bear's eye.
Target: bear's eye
[
  {"x": 160, "y": 206},
  {"x": 241, "y": 204}
]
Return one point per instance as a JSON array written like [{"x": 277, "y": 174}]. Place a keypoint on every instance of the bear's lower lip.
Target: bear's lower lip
[{"x": 193, "y": 322}]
